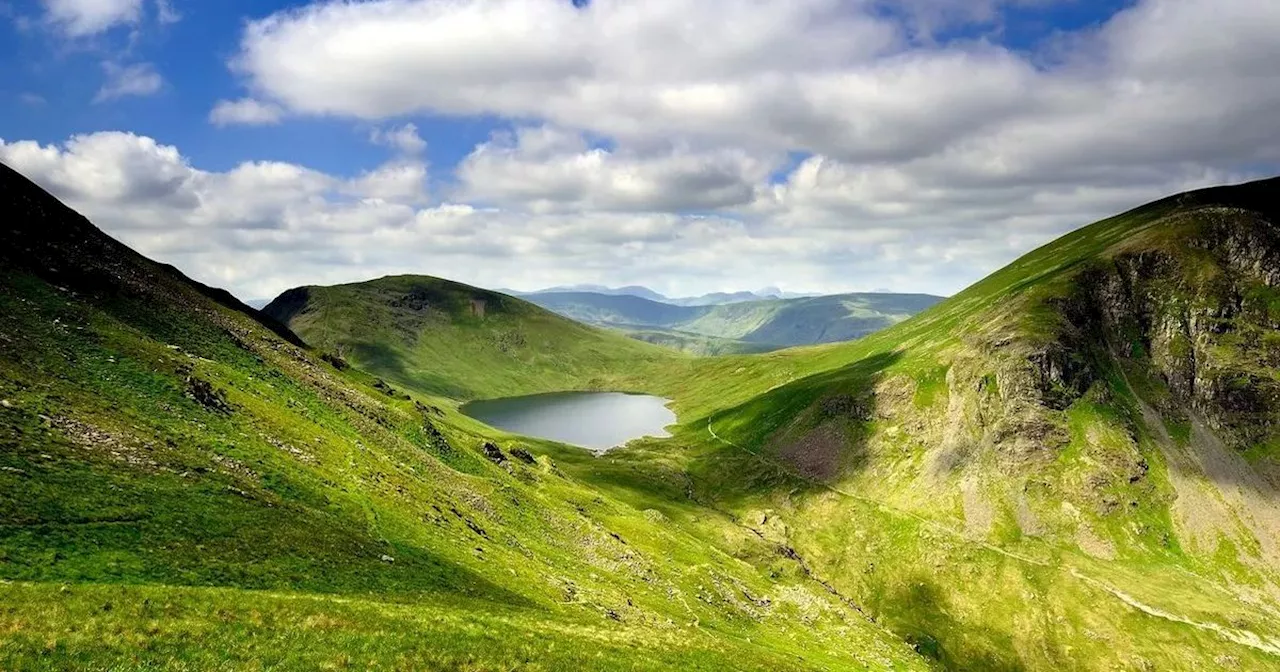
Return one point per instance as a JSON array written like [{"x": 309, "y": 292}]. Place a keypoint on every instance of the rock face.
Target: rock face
[
  {"x": 523, "y": 455},
  {"x": 1192, "y": 303},
  {"x": 1201, "y": 312}
]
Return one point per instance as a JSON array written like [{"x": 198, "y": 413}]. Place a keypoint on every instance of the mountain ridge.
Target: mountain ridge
[
  {"x": 1096, "y": 418},
  {"x": 771, "y": 323},
  {"x": 1073, "y": 463},
  {"x": 183, "y": 488},
  {"x": 468, "y": 341},
  {"x": 709, "y": 299}
]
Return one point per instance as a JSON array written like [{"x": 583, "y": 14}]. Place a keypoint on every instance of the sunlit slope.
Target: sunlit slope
[
  {"x": 458, "y": 341},
  {"x": 184, "y": 486},
  {"x": 1071, "y": 464}
]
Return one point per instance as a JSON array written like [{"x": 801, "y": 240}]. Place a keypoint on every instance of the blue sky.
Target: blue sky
[
  {"x": 812, "y": 144},
  {"x": 192, "y": 55}
]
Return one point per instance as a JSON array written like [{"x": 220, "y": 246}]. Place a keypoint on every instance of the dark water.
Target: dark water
[{"x": 595, "y": 420}]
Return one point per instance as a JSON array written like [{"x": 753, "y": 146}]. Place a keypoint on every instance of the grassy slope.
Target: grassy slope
[
  {"x": 181, "y": 488},
  {"x": 922, "y": 471},
  {"x": 822, "y": 319},
  {"x": 695, "y": 344},
  {"x": 767, "y": 323},
  {"x": 424, "y": 331}
]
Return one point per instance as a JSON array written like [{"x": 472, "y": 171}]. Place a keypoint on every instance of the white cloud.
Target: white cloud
[
  {"x": 165, "y": 13},
  {"x": 262, "y": 227},
  {"x": 86, "y": 18},
  {"x": 824, "y": 144},
  {"x": 403, "y": 139},
  {"x": 547, "y": 169},
  {"x": 844, "y": 79},
  {"x": 399, "y": 181},
  {"x": 80, "y": 18},
  {"x": 139, "y": 79},
  {"x": 246, "y": 111}
]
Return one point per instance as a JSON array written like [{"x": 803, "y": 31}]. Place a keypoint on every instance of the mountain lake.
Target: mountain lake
[{"x": 594, "y": 420}]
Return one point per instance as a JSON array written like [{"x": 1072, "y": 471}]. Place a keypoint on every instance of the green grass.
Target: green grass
[
  {"x": 426, "y": 333},
  {"x": 312, "y": 521},
  {"x": 181, "y": 489}
]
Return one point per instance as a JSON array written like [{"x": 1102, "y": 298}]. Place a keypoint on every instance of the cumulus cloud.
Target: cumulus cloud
[
  {"x": 826, "y": 144},
  {"x": 547, "y": 169},
  {"x": 79, "y": 18},
  {"x": 403, "y": 139},
  {"x": 139, "y": 79},
  {"x": 245, "y": 111},
  {"x": 262, "y": 227},
  {"x": 844, "y": 79}
]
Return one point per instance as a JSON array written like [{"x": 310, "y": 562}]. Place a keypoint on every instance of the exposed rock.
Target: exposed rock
[
  {"x": 435, "y": 437},
  {"x": 335, "y": 360},
  {"x": 206, "y": 395},
  {"x": 845, "y": 405},
  {"x": 382, "y": 386},
  {"x": 523, "y": 455},
  {"x": 493, "y": 453},
  {"x": 818, "y": 453}
]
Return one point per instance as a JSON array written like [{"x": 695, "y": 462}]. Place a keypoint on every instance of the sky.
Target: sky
[{"x": 691, "y": 147}]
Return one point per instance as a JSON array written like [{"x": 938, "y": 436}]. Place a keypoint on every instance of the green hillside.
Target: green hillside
[
  {"x": 183, "y": 486},
  {"x": 757, "y": 325},
  {"x": 695, "y": 344},
  {"x": 1073, "y": 464},
  {"x": 1070, "y": 465},
  {"x": 457, "y": 341}
]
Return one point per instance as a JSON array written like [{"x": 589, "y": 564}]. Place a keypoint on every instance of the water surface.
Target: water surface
[{"x": 595, "y": 420}]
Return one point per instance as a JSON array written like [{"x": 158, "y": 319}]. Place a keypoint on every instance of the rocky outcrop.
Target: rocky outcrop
[
  {"x": 1194, "y": 300},
  {"x": 1196, "y": 308},
  {"x": 493, "y": 453}
]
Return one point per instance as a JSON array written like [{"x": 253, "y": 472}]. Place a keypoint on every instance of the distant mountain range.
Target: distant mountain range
[
  {"x": 738, "y": 326},
  {"x": 712, "y": 299}
]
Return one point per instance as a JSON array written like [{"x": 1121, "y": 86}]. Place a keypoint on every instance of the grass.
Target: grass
[
  {"x": 297, "y": 516},
  {"x": 182, "y": 489},
  {"x": 432, "y": 335},
  {"x": 51, "y": 627}
]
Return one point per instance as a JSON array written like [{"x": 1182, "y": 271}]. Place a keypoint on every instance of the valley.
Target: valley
[
  {"x": 1071, "y": 464},
  {"x": 739, "y": 326}
]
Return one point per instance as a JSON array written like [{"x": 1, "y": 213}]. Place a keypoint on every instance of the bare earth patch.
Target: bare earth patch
[
  {"x": 979, "y": 514},
  {"x": 816, "y": 454}
]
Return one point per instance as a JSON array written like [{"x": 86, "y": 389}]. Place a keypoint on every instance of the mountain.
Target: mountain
[
  {"x": 712, "y": 299},
  {"x": 630, "y": 290},
  {"x": 716, "y": 298},
  {"x": 454, "y": 340},
  {"x": 1073, "y": 463},
  {"x": 768, "y": 324},
  {"x": 187, "y": 485}
]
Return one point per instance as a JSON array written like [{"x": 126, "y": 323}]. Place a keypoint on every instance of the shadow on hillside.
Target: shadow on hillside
[
  {"x": 797, "y": 437},
  {"x": 389, "y": 364},
  {"x": 918, "y": 613}
]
